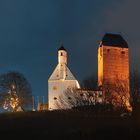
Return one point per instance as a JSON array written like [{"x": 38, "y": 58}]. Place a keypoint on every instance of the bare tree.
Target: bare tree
[
  {"x": 117, "y": 94},
  {"x": 74, "y": 98},
  {"x": 135, "y": 91},
  {"x": 135, "y": 87},
  {"x": 15, "y": 92}
]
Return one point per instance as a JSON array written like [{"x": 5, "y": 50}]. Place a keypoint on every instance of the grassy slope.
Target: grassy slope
[{"x": 68, "y": 125}]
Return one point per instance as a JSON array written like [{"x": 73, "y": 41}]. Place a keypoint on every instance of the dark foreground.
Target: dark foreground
[{"x": 68, "y": 125}]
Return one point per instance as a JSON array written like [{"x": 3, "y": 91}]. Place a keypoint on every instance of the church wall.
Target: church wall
[{"x": 58, "y": 88}]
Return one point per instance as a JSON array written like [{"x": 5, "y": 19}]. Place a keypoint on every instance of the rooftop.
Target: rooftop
[
  {"x": 62, "y": 48},
  {"x": 115, "y": 40}
]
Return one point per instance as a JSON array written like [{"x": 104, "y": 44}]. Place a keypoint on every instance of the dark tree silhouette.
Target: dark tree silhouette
[
  {"x": 15, "y": 92},
  {"x": 117, "y": 94},
  {"x": 89, "y": 83},
  {"x": 135, "y": 91}
]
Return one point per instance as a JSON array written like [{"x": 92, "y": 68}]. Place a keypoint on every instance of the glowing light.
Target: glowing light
[
  {"x": 12, "y": 101},
  {"x": 129, "y": 107}
]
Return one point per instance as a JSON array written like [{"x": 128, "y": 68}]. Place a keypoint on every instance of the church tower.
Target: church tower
[
  {"x": 113, "y": 63},
  {"x": 60, "y": 80}
]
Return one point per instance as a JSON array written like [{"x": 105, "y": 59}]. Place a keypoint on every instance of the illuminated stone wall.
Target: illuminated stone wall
[
  {"x": 57, "y": 88},
  {"x": 113, "y": 63},
  {"x": 113, "y": 67}
]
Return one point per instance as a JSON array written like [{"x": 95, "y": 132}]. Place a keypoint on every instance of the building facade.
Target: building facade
[
  {"x": 113, "y": 75},
  {"x": 60, "y": 80},
  {"x": 113, "y": 66}
]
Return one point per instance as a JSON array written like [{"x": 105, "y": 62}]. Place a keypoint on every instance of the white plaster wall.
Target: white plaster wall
[{"x": 57, "y": 88}]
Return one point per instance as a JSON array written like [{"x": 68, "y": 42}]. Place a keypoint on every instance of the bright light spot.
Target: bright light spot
[{"x": 12, "y": 101}]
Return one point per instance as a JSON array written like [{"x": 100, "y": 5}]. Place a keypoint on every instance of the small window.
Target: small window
[
  {"x": 61, "y": 54},
  {"x": 57, "y": 75},
  {"x": 69, "y": 98},
  {"x": 122, "y": 52},
  {"x": 108, "y": 50},
  {"x": 55, "y": 98}
]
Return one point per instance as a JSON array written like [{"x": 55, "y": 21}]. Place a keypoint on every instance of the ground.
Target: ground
[{"x": 68, "y": 125}]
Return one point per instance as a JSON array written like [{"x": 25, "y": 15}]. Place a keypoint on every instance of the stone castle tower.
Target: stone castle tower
[
  {"x": 60, "y": 80},
  {"x": 113, "y": 63}
]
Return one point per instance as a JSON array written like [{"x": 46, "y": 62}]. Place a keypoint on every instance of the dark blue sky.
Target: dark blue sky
[{"x": 31, "y": 32}]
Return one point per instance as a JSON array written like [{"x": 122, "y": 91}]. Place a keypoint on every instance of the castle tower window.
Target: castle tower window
[
  {"x": 122, "y": 52},
  {"x": 108, "y": 50},
  {"x": 61, "y": 54}
]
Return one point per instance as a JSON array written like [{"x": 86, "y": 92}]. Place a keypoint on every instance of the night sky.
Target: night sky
[{"x": 31, "y": 31}]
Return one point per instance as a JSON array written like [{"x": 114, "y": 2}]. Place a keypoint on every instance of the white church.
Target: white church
[{"x": 60, "y": 80}]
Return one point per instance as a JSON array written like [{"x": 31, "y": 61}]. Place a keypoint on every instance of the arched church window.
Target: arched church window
[{"x": 61, "y": 54}]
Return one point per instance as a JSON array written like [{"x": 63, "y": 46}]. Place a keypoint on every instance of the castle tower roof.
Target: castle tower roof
[{"x": 115, "y": 40}]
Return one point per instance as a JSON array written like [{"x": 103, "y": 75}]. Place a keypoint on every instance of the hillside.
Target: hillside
[{"x": 68, "y": 125}]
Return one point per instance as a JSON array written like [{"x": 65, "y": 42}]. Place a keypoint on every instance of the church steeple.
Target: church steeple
[{"x": 62, "y": 55}]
